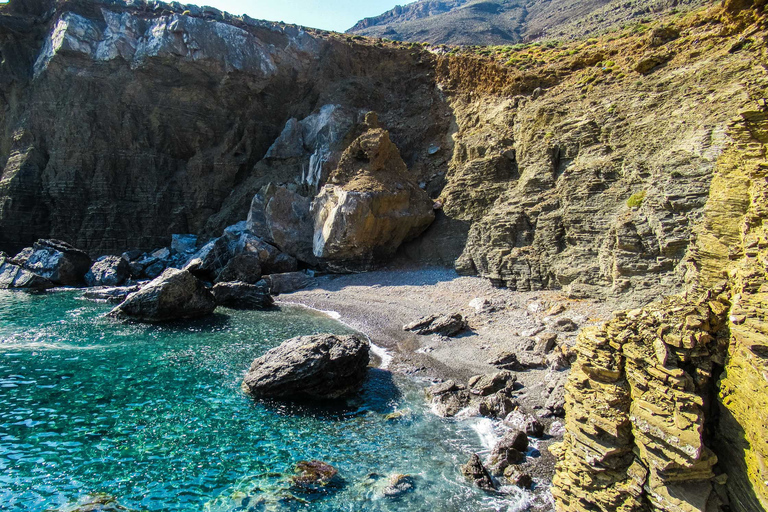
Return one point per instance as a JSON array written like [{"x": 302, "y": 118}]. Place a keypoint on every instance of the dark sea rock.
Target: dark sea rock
[
  {"x": 239, "y": 295},
  {"x": 58, "y": 262},
  {"x": 445, "y": 325},
  {"x": 324, "y": 366},
  {"x": 509, "y": 450},
  {"x": 108, "y": 271},
  {"x": 14, "y": 277},
  {"x": 476, "y": 472},
  {"x": 174, "y": 295}
]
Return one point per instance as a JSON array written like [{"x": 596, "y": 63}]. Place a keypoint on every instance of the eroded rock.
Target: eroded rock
[
  {"x": 240, "y": 295},
  {"x": 108, "y": 271},
  {"x": 444, "y": 325},
  {"x": 58, "y": 262}
]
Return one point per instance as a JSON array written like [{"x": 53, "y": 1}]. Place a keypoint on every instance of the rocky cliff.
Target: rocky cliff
[
  {"x": 666, "y": 405},
  {"x": 498, "y": 22}
]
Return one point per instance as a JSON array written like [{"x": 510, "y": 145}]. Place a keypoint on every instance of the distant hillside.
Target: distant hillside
[{"x": 494, "y": 22}]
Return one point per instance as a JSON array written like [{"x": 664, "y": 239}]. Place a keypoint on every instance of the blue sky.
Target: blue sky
[{"x": 336, "y": 15}]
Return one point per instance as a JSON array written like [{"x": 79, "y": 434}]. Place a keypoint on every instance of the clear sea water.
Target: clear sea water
[{"x": 154, "y": 416}]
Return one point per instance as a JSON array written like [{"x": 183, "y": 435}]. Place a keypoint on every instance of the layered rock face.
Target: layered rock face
[{"x": 666, "y": 405}]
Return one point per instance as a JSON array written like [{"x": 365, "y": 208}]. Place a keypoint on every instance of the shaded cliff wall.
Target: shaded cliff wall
[{"x": 122, "y": 126}]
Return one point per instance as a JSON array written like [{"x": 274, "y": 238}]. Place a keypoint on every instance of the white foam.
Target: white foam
[{"x": 486, "y": 432}]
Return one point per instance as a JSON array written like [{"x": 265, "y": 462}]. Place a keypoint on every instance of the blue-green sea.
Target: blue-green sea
[{"x": 153, "y": 415}]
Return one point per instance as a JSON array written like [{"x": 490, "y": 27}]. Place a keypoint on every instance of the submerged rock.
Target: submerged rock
[
  {"x": 399, "y": 485},
  {"x": 96, "y": 503},
  {"x": 239, "y": 295},
  {"x": 108, "y": 271},
  {"x": 316, "y": 476},
  {"x": 324, "y": 366},
  {"x": 174, "y": 295},
  {"x": 445, "y": 325},
  {"x": 476, "y": 472},
  {"x": 58, "y": 262}
]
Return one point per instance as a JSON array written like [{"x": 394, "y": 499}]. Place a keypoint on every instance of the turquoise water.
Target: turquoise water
[{"x": 154, "y": 416}]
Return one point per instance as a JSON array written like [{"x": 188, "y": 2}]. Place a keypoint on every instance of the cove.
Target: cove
[{"x": 154, "y": 416}]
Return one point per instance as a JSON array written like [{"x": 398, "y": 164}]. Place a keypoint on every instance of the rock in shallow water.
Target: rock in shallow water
[
  {"x": 324, "y": 366},
  {"x": 14, "y": 277},
  {"x": 316, "y": 476},
  {"x": 115, "y": 295},
  {"x": 174, "y": 295},
  {"x": 476, "y": 472}
]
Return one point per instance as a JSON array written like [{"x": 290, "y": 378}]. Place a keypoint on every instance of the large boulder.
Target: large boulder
[
  {"x": 175, "y": 294},
  {"x": 239, "y": 295},
  {"x": 324, "y": 366},
  {"x": 14, "y": 277},
  {"x": 369, "y": 207},
  {"x": 478, "y": 474},
  {"x": 290, "y": 223},
  {"x": 108, "y": 271},
  {"x": 58, "y": 262}
]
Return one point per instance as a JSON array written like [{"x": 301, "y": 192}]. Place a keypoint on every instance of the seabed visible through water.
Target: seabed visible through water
[{"x": 153, "y": 415}]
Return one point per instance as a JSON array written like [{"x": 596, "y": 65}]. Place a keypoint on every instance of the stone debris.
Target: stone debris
[{"x": 444, "y": 325}]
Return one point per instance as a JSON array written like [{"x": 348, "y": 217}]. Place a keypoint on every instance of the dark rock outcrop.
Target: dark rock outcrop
[
  {"x": 174, "y": 295},
  {"x": 108, "y": 271},
  {"x": 58, "y": 262},
  {"x": 509, "y": 450},
  {"x": 239, "y": 295},
  {"x": 243, "y": 267},
  {"x": 323, "y": 366},
  {"x": 444, "y": 325},
  {"x": 14, "y": 277},
  {"x": 478, "y": 474}
]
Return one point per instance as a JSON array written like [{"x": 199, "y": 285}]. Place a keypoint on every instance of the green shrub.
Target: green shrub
[{"x": 636, "y": 200}]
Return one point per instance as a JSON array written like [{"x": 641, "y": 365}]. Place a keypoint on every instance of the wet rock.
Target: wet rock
[
  {"x": 526, "y": 423},
  {"x": 448, "y": 398},
  {"x": 498, "y": 405},
  {"x": 108, "y": 271},
  {"x": 398, "y": 415},
  {"x": 288, "y": 282},
  {"x": 316, "y": 477},
  {"x": 369, "y": 207},
  {"x": 244, "y": 268},
  {"x": 477, "y": 473},
  {"x": 518, "y": 478},
  {"x": 399, "y": 485},
  {"x": 445, "y": 325},
  {"x": 488, "y": 384},
  {"x": 114, "y": 295},
  {"x": 174, "y": 295},
  {"x": 240, "y": 295},
  {"x": 324, "y": 366},
  {"x": 58, "y": 262},
  {"x": 14, "y": 277},
  {"x": 507, "y": 361},
  {"x": 509, "y": 450}
]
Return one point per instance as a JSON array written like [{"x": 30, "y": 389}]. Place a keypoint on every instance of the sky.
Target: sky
[{"x": 338, "y": 15}]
